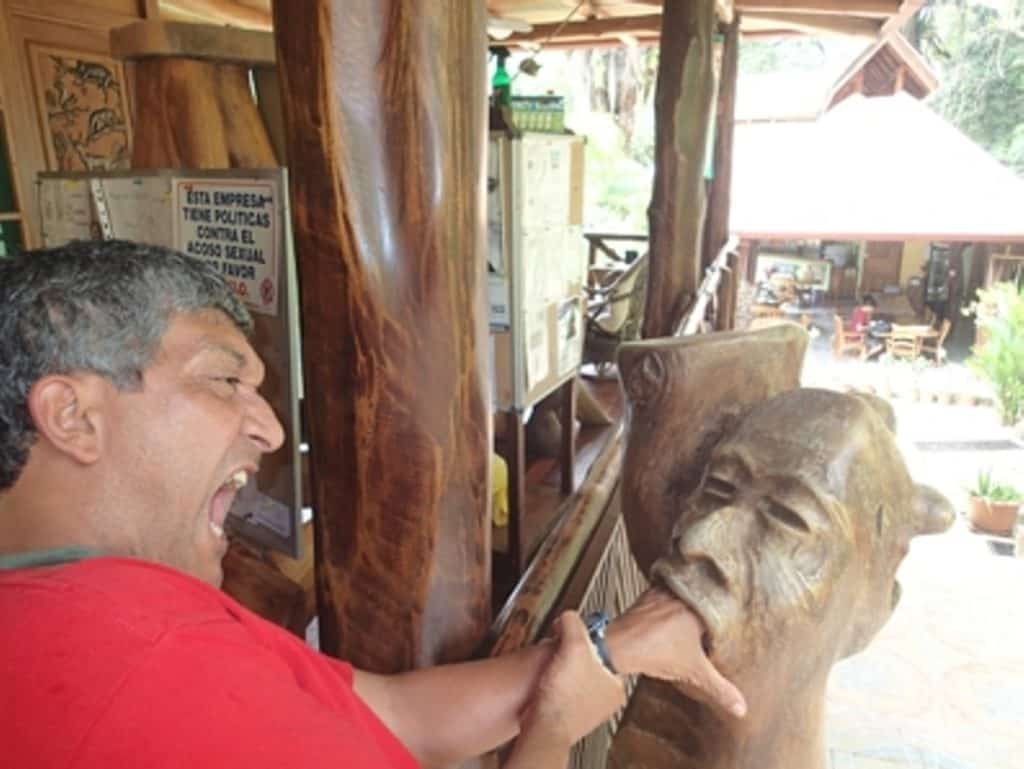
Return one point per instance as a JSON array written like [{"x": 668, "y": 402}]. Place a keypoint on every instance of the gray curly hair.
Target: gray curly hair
[{"x": 98, "y": 306}]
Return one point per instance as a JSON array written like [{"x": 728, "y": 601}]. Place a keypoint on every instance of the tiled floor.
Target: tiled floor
[{"x": 942, "y": 686}]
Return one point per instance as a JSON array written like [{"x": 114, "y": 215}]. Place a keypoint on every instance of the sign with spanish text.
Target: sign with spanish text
[{"x": 233, "y": 226}]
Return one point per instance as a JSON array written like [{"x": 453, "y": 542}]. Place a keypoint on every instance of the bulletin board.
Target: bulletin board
[
  {"x": 537, "y": 264},
  {"x": 238, "y": 222}
]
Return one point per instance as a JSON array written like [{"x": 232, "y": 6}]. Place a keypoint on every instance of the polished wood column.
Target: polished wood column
[
  {"x": 385, "y": 118},
  {"x": 683, "y": 102}
]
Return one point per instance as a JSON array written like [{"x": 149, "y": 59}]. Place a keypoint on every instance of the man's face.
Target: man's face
[{"x": 182, "y": 444}]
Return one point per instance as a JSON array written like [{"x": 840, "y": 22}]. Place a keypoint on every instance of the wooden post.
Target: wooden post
[
  {"x": 683, "y": 101},
  {"x": 385, "y": 117},
  {"x": 515, "y": 461},
  {"x": 193, "y": 104},
  {"x": 898, "y": 80},
  {"x": 567, "y": 454},
  {"x": 717, "y": 227}
]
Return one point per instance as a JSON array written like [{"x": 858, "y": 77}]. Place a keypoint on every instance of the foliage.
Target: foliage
[
  {"x": 986, "y": 487},
  {"x": 609, "y": 98},
  {"x": 784, "y": 54},
  {"x": 801, "y": 54},
  {"x": 1000, "y": 357},
  {"x": 978, "y": 51}
]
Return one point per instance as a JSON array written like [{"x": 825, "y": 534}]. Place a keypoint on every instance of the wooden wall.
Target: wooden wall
[{"x": 31, "y": 32}]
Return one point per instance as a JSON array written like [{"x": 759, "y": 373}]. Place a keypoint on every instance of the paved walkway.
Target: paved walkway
[{"x": 942, "y": 686}]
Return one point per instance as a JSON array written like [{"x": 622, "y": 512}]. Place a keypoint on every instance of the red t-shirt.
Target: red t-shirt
[
  {"x": 861, "y": 318},
  {"x": 115, "y": 662}
]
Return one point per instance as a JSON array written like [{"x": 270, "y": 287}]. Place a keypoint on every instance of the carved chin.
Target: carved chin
[{"x": 897, "y": 593}]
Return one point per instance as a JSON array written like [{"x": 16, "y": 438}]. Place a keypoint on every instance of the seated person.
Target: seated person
[{"x": 862, "y": 314}]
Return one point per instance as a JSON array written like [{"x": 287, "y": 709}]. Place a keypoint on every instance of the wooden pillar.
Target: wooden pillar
[
  {"x": 385, "y": 117},
  {"x": 716, "y": 231},
  {"x": 898, "y": 80},
  {"x": 683, "y": 102}
]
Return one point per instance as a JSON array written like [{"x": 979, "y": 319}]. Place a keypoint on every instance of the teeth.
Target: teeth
[
  {"x": 218, "y": 530},
  {"x": 239, "y": 479}
]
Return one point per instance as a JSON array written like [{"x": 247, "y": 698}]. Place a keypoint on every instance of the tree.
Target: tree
[{"x": 978, "y": 51}]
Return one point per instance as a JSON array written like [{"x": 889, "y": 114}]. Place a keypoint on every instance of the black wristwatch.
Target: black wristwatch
[{"x": 597, "y": 622}]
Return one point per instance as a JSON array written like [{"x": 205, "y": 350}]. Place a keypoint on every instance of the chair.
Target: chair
[
  {"x": 615, "y": 313},
  {"x": 933, "y": 346},
  {"x": 845, "y": 341},
  {"x": 903, "y": 343}
]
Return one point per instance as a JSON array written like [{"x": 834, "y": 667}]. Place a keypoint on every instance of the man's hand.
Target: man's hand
[
  {"x": 660, "y": 637},
  {"x": 575, "y": 693}
]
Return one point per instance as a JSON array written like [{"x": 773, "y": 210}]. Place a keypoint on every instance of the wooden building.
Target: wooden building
[
  {"x": 862, "y": 170},
  {"x": 379, "y": 111}
]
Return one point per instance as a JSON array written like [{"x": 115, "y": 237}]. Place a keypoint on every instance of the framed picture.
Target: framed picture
[{"x": 83, "y": 105}]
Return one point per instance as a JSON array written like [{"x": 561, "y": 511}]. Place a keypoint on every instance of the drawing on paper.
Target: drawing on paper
[{"x": 83, "y": 104}]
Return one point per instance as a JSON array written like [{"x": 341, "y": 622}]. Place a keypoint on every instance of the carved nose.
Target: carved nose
[{"x": 712, "y": 545}]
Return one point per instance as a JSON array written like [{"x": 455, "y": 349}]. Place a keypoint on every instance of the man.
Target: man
[{"x": 129, "y": 417}]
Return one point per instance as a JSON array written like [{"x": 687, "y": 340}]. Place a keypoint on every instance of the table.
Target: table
[{"x": 918, "y": 333}]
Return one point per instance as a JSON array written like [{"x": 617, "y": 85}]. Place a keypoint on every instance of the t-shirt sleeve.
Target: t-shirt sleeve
[{"x": 201, "y": 700}]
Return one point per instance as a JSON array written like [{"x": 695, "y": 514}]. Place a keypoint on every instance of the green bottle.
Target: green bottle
[{"x": 501, "y": 83}]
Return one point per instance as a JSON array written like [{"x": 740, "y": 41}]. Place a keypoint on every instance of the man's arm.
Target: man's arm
[
  {"x": 449, "y": 713},
  {"x": 452, "y": 712}
]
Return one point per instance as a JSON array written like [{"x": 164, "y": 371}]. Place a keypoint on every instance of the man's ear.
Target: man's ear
[{"x": 67, "y": 410}]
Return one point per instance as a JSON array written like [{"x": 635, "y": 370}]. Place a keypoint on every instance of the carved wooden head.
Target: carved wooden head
[{"x": 789, "y": 513}]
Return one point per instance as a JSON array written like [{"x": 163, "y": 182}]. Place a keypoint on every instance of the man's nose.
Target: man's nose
[
  {"x": 262, "y": 426},
  {"x": 714, "y": 543}
]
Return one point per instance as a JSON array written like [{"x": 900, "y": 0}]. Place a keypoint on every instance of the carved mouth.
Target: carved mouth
[{"x": 671, "y": 573}]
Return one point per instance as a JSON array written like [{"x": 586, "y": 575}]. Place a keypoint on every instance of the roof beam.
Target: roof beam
[
  {"x": 881, "y": 9},
  {"x": 217, "y": 12},
  {"x": 815, "y": 24},
  {"x": 606, "y": 41},
  {"x": 591, "y": 28}
]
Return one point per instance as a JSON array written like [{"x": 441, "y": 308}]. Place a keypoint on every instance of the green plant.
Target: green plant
[
  {"x": 986, "y": 487},
  {"x": 1000, "y": 358}
]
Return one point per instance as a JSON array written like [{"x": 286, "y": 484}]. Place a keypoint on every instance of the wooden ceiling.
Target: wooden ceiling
[{"x": 614, "y": 22}]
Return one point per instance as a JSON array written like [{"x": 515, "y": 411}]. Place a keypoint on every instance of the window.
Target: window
[{"x": 10, "y": 216}]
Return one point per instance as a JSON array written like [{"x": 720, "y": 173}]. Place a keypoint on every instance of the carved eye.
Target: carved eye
[
  {"x": 719, "y": 488},
  {"x": 783, "y": 514}
]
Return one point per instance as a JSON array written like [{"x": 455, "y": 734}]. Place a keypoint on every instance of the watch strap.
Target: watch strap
[{"x": 596, "y": 623}]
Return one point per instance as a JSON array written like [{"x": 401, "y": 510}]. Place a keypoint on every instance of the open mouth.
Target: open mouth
[
  {"x": 669, "y": 572},
  {"x": 222, "y": 499}
]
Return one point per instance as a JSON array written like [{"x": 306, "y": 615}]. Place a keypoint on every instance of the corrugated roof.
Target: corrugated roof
[{"x": 881, "y": 168}]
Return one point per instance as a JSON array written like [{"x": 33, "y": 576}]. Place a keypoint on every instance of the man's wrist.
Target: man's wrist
[{"x": 617, "y": 642}]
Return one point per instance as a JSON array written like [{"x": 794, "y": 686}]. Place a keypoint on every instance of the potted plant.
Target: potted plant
[
  {"x": 992, "y": 507},
  {"x": 999, "y": 354}
]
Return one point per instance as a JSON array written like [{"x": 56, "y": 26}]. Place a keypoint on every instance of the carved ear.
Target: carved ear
[
  {"x": 882, "y": 407},
  {"x": 933, "y": 513}
]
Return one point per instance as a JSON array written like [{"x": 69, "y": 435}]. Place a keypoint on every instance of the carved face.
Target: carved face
[{"x": 792, "y": 539}]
